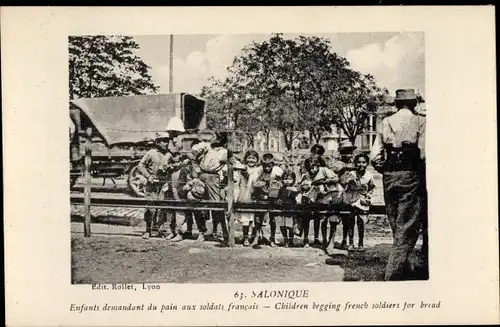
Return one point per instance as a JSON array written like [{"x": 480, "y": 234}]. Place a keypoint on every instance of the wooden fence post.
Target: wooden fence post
[
  {"x": 88, "y": 181},
  {"x": 230, "y": 189}
]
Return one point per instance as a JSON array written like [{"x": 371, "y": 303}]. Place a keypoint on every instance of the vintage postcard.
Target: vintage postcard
[{"x": 250, "y": 166}]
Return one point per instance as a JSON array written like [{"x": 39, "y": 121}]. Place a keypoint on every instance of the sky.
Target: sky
[{"x": 396, "y": 60}]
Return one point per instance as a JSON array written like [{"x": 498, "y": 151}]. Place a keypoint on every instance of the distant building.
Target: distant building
[{"x": 331, "y": 140}]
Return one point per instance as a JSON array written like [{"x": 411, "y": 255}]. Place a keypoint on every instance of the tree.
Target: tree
[
  {"x": 293, "y": 79},
  {"x": 107, "y": 66},
  {"x": 230, "y": 108},
  {"x": 351, "y": 107},
  {"x": 292, "y": 85}
]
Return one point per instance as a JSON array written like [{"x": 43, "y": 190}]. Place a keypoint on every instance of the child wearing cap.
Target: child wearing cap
[{"x": 266, "y": 188}]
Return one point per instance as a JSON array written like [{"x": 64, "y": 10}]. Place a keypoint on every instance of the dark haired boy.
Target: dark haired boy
[{"x": 266, "y": 188}]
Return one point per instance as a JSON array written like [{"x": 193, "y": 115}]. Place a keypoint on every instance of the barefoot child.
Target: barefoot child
[
  {"x": 248, "y": 178},
  {"x": 324, "y": 181},
  {"x": 359, "y": 188},
  {"x": 288, "y": 194},
  {"x": 269, "y": 175}
]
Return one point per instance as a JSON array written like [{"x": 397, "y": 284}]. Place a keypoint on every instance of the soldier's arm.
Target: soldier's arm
[
  {"x": 377, "y": 151},
  {"x": 421, "y": 139}
]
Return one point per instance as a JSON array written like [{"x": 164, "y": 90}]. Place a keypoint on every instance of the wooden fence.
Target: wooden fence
[{"x": 229, "y": 206}]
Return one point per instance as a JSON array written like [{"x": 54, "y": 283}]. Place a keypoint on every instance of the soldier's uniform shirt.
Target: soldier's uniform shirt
[
  {"x": 402, "y": 126},
  {"x": 404, "y": 186},
  {"x": 154, "y": 161},
  {"x": 150, "y": 165}
]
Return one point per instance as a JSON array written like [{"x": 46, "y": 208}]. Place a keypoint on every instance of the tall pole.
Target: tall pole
[
  {"x": 171, "y": 64},
  {"x": 230, "y": 188},
  {"x": 88, "y": 163}
]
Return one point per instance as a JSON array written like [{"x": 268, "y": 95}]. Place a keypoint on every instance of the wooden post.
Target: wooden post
[
  {"x": 230, "y": 189},
  {"x": 171, "y": 66},
  {"x": 88, "y": 181}
]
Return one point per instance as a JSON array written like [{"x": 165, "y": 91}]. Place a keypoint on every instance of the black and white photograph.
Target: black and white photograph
[
  {"x": 248, "y": 158},
  {"x": 245, "y": 165}
]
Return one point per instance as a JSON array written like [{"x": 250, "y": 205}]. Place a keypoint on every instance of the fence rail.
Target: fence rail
[
  {"x": 286, "y": 208},
  {"x": 87, "y": 200}
]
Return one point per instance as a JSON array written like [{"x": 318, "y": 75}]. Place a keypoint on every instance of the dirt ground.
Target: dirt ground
[{"x": 118, "y": 254}]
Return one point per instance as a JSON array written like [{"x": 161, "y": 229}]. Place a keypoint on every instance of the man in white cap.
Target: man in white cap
[
  {"x": 154, "y": 166},
  {"x": 399, "y": 153}
]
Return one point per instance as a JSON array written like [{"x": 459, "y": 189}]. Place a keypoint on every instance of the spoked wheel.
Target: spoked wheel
[{"x": 137, "y": 182}]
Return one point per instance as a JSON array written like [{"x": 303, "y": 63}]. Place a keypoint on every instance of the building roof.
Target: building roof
[{"x": 127, "y": 119}]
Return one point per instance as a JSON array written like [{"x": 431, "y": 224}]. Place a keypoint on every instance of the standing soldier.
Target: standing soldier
[
  {"x": 155, "y": 166},
  {"x": 399, "y": 153}
]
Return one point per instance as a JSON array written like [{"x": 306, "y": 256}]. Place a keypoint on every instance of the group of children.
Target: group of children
[
  {"x": 316, "y": 183},
  {"x": 202, "y": 175}
]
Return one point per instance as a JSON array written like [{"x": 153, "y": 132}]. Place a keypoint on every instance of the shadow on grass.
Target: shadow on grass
[{"x": 370, "y": 265}]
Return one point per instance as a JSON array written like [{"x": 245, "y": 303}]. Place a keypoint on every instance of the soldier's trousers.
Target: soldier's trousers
[{"x": 405, "y": 198}]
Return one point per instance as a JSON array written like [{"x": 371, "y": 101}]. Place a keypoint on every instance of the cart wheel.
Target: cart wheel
[{"x": 137, "y": 182}]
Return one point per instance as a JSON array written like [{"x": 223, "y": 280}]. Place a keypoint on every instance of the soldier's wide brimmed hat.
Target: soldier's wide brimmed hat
[
  {"x": 162, "y": 136},
  {"x": 405, "y": 95}
]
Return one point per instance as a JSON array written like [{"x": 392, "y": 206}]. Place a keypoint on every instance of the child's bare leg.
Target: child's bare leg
[
  {"x": 272, "y": 224},
  {"x": 350, "y": 232},
  {"x": 257, "y": 230},
  {"x": 246, "y": 227},
  {"x": 345, "y": 230},
  {"x": 331, "y": 238},
  {"x": 324, "y": 229},
  {"x": 317, "y": 222},
  {"x": 305, "y": 229},
  {"x": 361, "y": 233},
  {"x": 148, "y": 218},
  {"x": 291, "y": 237}
]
